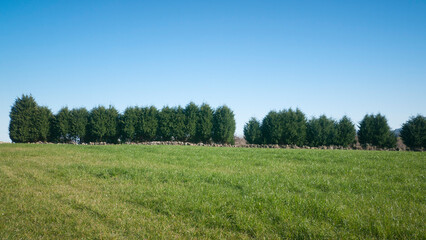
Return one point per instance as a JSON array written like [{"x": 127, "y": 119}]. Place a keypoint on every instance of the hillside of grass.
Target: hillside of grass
[{"x": 150, "y": 192}]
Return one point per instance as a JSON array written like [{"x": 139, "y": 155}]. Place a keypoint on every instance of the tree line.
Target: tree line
[
  {"x": 30, "y": 122},
  {"x": 291, "y": 127}
]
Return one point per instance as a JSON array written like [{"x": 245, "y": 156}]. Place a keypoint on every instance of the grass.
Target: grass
[{"x": 150, "y": 192}]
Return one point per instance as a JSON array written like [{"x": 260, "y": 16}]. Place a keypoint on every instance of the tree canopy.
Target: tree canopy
[
  {"x": 223, "y": 125},
  {"x": 252, "y": 132},
  {"x": 374, "y": 130},
  {"x": 413, "y": 132}
]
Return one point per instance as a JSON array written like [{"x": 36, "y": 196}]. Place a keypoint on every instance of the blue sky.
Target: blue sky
[{"x": 325, "y": 57}]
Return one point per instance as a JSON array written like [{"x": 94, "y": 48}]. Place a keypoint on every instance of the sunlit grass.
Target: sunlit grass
[{"x": 122, "y": 191}]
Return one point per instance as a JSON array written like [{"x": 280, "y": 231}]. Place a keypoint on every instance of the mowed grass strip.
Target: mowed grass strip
[{"x": 150, "y": 192}]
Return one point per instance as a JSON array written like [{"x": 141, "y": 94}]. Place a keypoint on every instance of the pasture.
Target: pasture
[{"x": 173, "y": 192}]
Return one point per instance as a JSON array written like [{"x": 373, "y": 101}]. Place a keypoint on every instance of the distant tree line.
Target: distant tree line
[
  {"x": 291, "y": 127},
  {"x": 30, "y": 122}
]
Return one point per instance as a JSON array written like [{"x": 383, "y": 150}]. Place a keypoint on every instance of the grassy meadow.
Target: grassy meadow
[{"x": 174, "y": 192}]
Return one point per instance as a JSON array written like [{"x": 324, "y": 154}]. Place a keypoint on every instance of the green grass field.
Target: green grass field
[{"x": 122, "y": 191}]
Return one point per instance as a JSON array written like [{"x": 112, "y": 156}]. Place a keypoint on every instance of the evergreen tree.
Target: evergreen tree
[
  {"x": 179, "y": 124},
  {"x": 252, "y": 132},
  {"x": 103, "y": 124},
  {"x": 22, "y": 126},
  {"x": 223, "y": 125},
  {"x": 43, "y": 118},
  {"x": 147, "y": 123},
  {"x": 321, "y": 131},
  {"x": 79, "y": 118},
  {"x": 191, "y": 119},
  {"x": 128, "y": 122},
  {"x": 54, "y": 129},
  {"x": 346, "y": 132},
  {"x": 97, "y": 124},
  {"x": 112, "y": 131},
  {"x": 63, "y": 121},
  {"x": 204, "y": 124},
  {"x": 413, "y": 132},
  {"x": 165, "y": 124},
  {"x": 366, "y": 130},
  {"x": 272, "y": 128},
  {"x": 374, "y": 130},
  {"x": 293, "y": 127}
]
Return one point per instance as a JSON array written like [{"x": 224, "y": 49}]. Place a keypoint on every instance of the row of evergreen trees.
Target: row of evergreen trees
[
  {"x": 32, "y": 123},
  {"x": 293, "y": 128}
]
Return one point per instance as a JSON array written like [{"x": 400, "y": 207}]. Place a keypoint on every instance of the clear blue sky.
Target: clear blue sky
[{"x": 325, "y": 57}]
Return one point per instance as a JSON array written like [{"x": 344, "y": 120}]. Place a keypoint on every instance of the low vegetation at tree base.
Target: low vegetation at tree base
[
  {"x": 178, "y": 192},
  {"x": 32, "y": 123}
]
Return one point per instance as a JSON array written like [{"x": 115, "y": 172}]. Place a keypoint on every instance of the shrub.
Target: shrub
[
  {"x": 223, "y": 125},
  {"x": 252, "y": 132},
  {"x": 413, "y": 132}
]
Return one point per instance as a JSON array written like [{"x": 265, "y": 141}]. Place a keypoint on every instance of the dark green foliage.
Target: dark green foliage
[
  {"x": 413, "y": 132},
  {"x": 223, "y": 125},
  {"x": 112, "y": 132},
  {"x": 22, "y": 126},
  {"x": 28, "y": 121},
  {"x": 179, "y": 124},
  {"x": 345, "y": 132},
  {"x": 147, "y": 124},
  {"x": 272, "y": 128},
  {"x": 204, "y": 124},
  {"x": 293, "y": 125},
  {"x": 63, "y": 122},
  {"x": 128, "y": 124},
  {"x": 252, "y": 132},
  {"x": 97, "y": 124},
  {"x": 54, "y": 130},
  {"x": 374, "y": 130},
  {"x": 31, "y": 123},
  {"x": 103, "y": 124},
  {"x": 191, "y": 119},
  {"x": 165, "y": 124},
  {"x": 79, "y": 118},
  {"x": 366, "y": 130},
  {"x": 43, "y": 119},
  {"x": 321, "y": 131}
]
